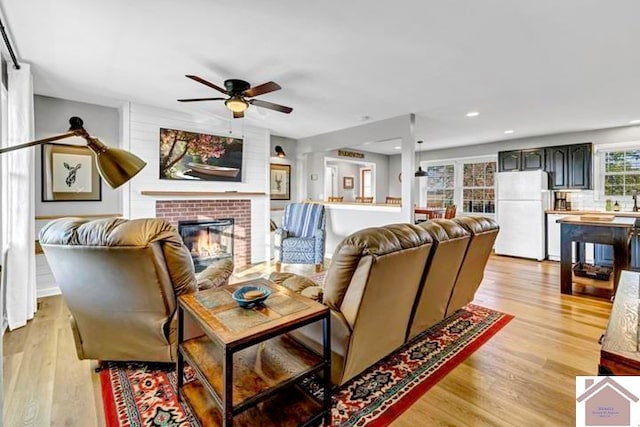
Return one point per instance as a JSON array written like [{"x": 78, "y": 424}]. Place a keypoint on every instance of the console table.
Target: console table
[
  {"x": 619, "y": 354},
  {"x": 575, "y": 228},
  {"x": 247, "y": 370}
]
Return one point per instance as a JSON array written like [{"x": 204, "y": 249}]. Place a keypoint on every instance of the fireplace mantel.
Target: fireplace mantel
[{"x": 200, "y": 193}]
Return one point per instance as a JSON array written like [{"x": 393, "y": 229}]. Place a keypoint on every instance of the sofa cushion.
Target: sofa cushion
[{"x": 375, "y": 241}]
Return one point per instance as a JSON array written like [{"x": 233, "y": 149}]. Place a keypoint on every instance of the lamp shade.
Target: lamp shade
[
  {"x": 420, "y": 172},
  {"x": 116, "y": 166}
]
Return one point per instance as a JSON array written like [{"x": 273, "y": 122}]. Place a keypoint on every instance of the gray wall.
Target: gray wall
[
  {"x": 315, "y": 166},
  {"x": 51, "y": 118},
  {"x": 346, "y": 169},
  {"x": 601, "y": 136},
  {"x": 290, "y": 148},
  {"x": 395, "y": 167}
]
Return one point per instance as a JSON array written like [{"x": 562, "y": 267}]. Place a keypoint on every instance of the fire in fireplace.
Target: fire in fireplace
[{"x": 207, "y": 240}]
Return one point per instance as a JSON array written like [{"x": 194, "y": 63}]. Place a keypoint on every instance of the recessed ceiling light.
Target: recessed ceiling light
[
  {"x": 397, "y": 147},
  {"x": 635, "y": 122},
  {"x": 509, "y": 131},
  {"x": 473, "y": 114}
]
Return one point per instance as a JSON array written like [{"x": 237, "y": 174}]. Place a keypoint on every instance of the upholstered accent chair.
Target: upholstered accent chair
[
  {"x": 301, "y": 239},
  {"x": 120, "y": 280}
]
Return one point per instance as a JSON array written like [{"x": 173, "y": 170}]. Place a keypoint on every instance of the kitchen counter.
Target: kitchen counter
[
  {"x": 582, "y": 230},
  {"x": 619, "y": 213},
  {"x": 618, "y": 221}
]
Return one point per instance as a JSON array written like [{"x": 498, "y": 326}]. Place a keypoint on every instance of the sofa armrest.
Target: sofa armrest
[
  {"x": 216, "y": 274},
  {"x": 319, "y": 246},
  {"x": 292, "y": 281}
]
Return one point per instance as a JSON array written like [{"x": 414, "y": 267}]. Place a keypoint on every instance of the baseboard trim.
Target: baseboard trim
[{"x": 48, "y": 292}]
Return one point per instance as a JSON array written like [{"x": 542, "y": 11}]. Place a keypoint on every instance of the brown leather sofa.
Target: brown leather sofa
[
  {"x": 120, "y": 280},
  {"x": 387, "y": 284}
]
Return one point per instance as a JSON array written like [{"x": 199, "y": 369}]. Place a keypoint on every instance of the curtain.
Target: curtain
[{"x": 18, "y": 201}]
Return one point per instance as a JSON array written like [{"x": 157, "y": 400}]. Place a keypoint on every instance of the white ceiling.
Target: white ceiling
[
  {"x": 537, "y": 67},
  {"x": 389, "y": 147}
]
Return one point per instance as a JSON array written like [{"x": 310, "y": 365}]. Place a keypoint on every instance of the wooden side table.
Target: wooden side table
[{"x": 248, "y": 371}]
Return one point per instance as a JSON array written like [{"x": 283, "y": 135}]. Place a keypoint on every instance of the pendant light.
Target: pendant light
[{"x": 420, "y": 173}]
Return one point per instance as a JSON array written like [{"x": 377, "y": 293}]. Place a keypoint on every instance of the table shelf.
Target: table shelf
[
  {"x": 292, "y": 407},
  {"x": 263, "y": 367}
]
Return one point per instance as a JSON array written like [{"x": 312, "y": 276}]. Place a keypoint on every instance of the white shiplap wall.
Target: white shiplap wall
[{"x": 140, "y": 134}]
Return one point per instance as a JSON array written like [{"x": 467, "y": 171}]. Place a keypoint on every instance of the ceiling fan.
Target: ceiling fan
[{"x": 238, "y": 92}]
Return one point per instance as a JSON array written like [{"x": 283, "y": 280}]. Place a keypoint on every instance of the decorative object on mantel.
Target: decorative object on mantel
[
  {"x": 198, "y": 156},
  {"x": 238, "y": 91},
  {"x": 280, "y": 152},
  {"x": 352, "y": 154},
  {"x": 280, "y": 182},
  {"x": 420, "y": 173},
  {"x": 347, "y": 182},
  {"x": 116, "y": 166}
]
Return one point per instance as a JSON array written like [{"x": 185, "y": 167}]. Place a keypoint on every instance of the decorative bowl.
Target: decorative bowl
[{"x": 239, "y": 295}]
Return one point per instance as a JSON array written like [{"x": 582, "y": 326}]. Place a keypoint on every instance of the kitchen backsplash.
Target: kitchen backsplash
[{"x": 584, "y": 201}]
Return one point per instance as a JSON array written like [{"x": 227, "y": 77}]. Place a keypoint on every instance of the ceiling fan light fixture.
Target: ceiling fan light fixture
[{"x": 236, "y": 104}]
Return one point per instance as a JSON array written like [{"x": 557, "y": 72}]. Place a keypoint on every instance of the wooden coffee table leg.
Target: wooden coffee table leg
[
  {"x": 326, "y": 344},
  {"x": 179, "y": 359},
  {"x": 227, "y": 387}
]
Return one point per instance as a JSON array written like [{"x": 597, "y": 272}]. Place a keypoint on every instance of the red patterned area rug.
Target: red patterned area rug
[{"x": 136, "y": 394}]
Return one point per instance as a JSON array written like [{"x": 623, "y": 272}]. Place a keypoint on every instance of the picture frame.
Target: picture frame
[
  {"x": 195, "y": 156},
  {"x": 280, "y": 182},
  {"x": 69, "y": 174},
  {"x": 347, "y": 182}
]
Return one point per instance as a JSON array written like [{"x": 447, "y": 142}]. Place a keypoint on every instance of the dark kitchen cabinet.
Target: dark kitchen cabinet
[
  {"x": 579, "y": 156},
  {"x": 509, "y": 161},
  {"x": 556, "y": 166},
  {"x": 569, "y": 166},
  {"x": 603, "y": 255},
  {"x": 533, "y": 159}
]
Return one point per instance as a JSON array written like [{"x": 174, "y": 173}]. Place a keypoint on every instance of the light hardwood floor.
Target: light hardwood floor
[{"x": 525, "y": 375}]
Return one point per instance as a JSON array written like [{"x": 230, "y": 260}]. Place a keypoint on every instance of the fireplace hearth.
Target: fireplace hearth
[{"x": 207, "y": 240}]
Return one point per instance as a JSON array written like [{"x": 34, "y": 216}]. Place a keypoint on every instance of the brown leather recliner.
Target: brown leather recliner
[
  {"x": 370, "y": 287},
  {"x": 120, "y": 280},
  {"x": 483, "y": 235},
  {"x": 450, "y": 246}
]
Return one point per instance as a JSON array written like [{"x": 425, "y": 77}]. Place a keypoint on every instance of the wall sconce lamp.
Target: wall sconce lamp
[
  {"x": 280, "y": 152},
  {"x": 116, "y": 166}
]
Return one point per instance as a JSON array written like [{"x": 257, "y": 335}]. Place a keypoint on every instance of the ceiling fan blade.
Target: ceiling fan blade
[
  {"x": 201, "y": 99},
  {"x": 271, "y": 106},
  {"x": 238, "y": 115},
  {"x": 261, "y": 89},
  {"x": 206, "y": 83}
]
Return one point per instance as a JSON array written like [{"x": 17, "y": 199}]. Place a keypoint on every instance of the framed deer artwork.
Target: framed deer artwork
[
  {"x": 69, "y": 174},
  {"x": 280, "y": 182}
]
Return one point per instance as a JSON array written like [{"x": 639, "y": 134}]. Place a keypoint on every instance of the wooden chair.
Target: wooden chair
[
  {"x": 360, "y": 199},
  {"x": 450, "y": 212},
  {"x": 335, "y": 199},
  {"x": 393, "y": 200}
]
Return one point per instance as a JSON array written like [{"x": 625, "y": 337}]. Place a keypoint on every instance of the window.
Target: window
[
  {"x": 440, "y": 186},
  {"x": 621, "y": 172},
  {"x": 478, "y": 193}
]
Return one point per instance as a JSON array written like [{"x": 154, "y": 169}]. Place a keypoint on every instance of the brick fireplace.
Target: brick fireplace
[{"x": 188, "y": 210}]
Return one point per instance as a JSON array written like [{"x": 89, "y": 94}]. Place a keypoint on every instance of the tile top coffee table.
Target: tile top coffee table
[{"x": 247, "y": 368}]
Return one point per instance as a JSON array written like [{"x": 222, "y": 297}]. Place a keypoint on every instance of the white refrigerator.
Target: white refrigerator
[{"x": 522, "y": 198}]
